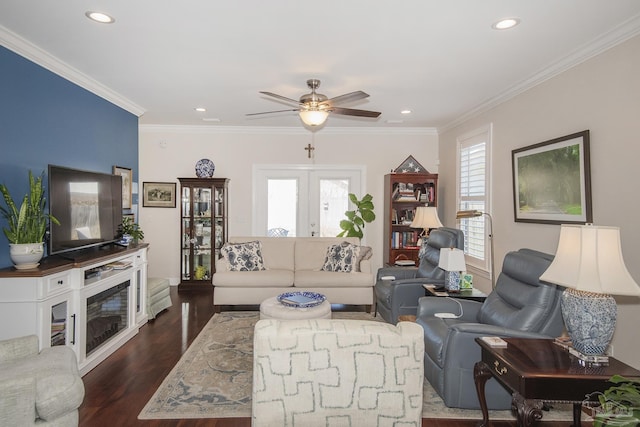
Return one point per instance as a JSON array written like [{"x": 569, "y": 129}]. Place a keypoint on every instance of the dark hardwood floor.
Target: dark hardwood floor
[{"x": 118, "y": 388}]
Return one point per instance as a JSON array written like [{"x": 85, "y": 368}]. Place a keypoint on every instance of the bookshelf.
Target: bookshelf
[{"x": 403, "y": 193}]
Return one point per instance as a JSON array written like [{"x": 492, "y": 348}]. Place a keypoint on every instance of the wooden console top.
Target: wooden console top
[{"x": 57, "y": 263}]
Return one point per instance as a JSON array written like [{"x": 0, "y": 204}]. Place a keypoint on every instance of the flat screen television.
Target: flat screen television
[{"x": 88, "y": 206}]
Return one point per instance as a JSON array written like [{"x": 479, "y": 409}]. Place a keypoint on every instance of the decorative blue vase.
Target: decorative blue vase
[{"x": 590, "y": 319}]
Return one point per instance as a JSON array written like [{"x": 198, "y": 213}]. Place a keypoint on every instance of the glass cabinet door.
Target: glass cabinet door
[{"x": 203, "y": 227}]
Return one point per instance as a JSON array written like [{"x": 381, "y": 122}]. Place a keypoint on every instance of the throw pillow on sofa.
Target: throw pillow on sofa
[
  {"x": 341, "y": 258},
  {"x": 243, "y": 256}
]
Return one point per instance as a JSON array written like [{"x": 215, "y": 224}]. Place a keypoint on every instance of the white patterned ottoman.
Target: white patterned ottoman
[{"x": 271, "y": 308}]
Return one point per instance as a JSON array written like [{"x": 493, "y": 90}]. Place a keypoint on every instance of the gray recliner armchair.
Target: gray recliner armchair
[
  {"x": 520, "y": 306},
  {"x": 400, "y": 296}
]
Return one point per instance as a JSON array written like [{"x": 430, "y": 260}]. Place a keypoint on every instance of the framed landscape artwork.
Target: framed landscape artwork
[
  {"x": 127, "y": 178},
  {"x": 159, "y": 194},
  {"x": 552, "y": 181}
]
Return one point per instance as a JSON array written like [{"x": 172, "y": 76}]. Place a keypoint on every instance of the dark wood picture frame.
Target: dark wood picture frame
[
  {"x": 127, "y": 179},
  {"x": 552, "y": 181},
  {"x": 159, "y": 194}
]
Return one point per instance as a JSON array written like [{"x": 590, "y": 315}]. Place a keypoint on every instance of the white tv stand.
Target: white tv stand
[{"x": 52, "y": 301}]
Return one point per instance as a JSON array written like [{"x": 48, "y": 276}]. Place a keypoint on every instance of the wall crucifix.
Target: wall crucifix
[{"x": 309, "y": 149}]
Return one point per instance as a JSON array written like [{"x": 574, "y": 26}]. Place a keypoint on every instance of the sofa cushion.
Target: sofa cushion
[
  {"x": 245, "y": 256},
  {"x": 254, "y": 279},
  {"x": 364, "y": 254},
  {"x": 329, "y": 279},
  {"x": 341, "y": 257},
  {"x": 277, "y": 252},
  {"x": 310, "y": 252}
]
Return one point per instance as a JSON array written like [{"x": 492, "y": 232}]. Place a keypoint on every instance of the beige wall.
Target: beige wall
[
  {"x": 170, "y": 152},
  {"x": 602, "y": 95}
]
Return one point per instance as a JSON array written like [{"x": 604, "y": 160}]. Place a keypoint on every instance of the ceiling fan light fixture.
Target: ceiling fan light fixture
[{"x": 313, "y": 117}]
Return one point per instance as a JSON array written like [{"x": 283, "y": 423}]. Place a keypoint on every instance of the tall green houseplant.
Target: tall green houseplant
[
  {"x": 354, "y": 224},
  {"x": 28, "y": 223}
]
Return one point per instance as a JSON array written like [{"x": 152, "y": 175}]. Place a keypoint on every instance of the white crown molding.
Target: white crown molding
[
  {"x": 283, "y": 130},
  {"x": 40, "y": 57},
  {"x": 628, "y": 29}
]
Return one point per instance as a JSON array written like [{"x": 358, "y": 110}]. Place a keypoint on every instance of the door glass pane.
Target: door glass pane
[
  {"x": 282, "y": 207},
  {"x": 334, "y": 201}
]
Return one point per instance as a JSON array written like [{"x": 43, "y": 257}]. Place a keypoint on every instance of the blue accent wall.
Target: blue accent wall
[{"x": 46, "y": 119}]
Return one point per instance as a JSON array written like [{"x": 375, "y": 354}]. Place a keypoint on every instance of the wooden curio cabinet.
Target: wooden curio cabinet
[
  {"x": 403, "y": 193},
  {"x": 203, "y": 229}
]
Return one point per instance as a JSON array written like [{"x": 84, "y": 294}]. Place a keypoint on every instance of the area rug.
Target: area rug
[{"x": 213, "y": 377}]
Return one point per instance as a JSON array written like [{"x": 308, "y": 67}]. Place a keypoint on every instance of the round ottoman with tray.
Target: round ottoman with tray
[{"x": 296, "y": 306}]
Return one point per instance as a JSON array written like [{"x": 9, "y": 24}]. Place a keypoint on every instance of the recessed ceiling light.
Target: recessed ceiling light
[
  {"x": 103, "y": 18},
  {"x": 405, "y": 112},
  {"x": 506, "y": 23},
  {"x": 200, "y": 109},
  {"x": 211, "y": 119}
]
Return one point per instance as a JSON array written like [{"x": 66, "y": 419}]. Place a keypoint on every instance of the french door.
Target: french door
[{"x": 303, "y": 200}]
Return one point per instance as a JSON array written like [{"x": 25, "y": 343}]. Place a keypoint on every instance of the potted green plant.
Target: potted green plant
[
  {"x": 619, "y": 405},
  {"x": 354, "y": 224},
  {"x": 130, "y": 229},
  {"x": 26, "y": 225}
]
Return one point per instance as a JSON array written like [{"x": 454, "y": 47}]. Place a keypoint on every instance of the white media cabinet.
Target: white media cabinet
[{"x": 57, "y": 300}]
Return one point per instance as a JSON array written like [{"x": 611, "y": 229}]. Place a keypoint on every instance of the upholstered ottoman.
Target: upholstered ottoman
[
  {"x": 158, "y": 296},
  {"x": 271, "y": 308}
]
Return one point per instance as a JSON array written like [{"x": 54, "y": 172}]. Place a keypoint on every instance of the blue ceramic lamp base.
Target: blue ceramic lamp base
[{"x": 590, "y": 319}]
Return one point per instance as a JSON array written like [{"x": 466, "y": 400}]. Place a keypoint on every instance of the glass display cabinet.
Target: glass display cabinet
[{"x": 203, "y": 229}]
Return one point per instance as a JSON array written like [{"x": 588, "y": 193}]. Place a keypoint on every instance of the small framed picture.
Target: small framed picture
[
  {"x": 127, "y": 178},
  {"x": 159, "y": 194}
]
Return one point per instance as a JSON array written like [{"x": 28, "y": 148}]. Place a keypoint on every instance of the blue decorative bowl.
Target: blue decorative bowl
[{"x": 301, "y": 299}]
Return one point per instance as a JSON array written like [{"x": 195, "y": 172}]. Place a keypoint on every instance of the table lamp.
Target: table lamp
[
  {"x": 473, "y": 214},
  {"x": 426, "y": 217},
  {"x": 452, "y": 262},
  {"x": 589, "y": 264}
]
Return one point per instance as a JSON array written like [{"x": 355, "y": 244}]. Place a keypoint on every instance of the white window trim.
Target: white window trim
[{"x": 475, "y": 264}]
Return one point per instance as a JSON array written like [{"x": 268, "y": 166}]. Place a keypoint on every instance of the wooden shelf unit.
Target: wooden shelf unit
[{"x": 403, "y": 193}]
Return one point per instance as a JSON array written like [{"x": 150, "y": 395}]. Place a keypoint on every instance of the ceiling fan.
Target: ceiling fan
[{"x": 314, "y": 108}]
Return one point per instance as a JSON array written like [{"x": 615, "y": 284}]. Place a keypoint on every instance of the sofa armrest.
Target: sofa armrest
[{"x": 18, "y": 348}]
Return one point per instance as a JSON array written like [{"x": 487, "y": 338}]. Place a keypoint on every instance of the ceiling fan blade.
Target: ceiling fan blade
[
  {"x": 353, "y": 112},
  {"x": 347, "y": 97},
  {"x": 280, "y": 97},
  {"x": 269, "y": 112}
]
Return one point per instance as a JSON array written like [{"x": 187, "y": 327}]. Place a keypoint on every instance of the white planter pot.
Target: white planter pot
[{"x": 26, "y": 255}]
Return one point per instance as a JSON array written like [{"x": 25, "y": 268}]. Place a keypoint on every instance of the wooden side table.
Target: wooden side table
[{"x": 537, "y": 371}]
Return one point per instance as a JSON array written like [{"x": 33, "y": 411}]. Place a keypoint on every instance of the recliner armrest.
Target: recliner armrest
[
  {"x": 428, "y": 306},
  {"x": 397, "y": 272}
]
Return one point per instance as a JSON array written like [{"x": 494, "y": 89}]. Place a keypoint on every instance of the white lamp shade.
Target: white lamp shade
[
  {"x": 426, "y": 217},
  {"x": 452, "y": 259},
  {"x": 313, "y": 117},
  {"x": 589, "y": 258}
]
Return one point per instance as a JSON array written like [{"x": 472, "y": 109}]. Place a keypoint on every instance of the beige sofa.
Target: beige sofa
[{"x": 292, "y": 263}]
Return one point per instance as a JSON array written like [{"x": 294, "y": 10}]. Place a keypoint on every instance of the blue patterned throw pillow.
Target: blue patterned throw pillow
[
  {"x": 243, "y": 256},
  {"x": 341, "y": 258}
]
